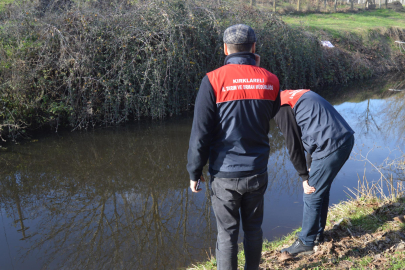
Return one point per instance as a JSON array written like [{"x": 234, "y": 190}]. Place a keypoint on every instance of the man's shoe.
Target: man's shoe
[
  {"x": 299, "y": 248},
  {"x": 319, "y": 239}
]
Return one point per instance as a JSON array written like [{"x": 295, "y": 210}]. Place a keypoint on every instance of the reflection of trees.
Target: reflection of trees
[
  {"x": 393, "y": 116},
  {"x": 116, "y": 200},
  {"x": 366, "y": 121},
  {"x": 283, "y": 179}
]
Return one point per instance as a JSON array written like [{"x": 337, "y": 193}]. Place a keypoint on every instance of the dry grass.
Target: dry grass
[{"x": 366, "y": 232}]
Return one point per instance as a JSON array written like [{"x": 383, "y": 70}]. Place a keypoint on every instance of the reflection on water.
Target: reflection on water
[
  {"x": 119, "y": 199},
  {"x": 114, "y": 199}
]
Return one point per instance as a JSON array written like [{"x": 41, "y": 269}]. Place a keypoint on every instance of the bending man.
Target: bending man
[{"x": 310, "y": 123}]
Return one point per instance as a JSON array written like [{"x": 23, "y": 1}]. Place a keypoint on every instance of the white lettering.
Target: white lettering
[
  {"x": 229, "y": 88},
  {"x": 264, "y": 86},
  {"x": 247, "y": 87},
  {"x": 254, "y": 80},
  {"x": 294, "y": 93}
]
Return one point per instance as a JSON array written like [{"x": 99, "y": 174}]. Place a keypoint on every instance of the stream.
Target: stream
[{"x": 119, "y": 198}]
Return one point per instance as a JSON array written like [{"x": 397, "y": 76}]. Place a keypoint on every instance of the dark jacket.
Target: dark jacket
[
  {"x": 310, "y": 123},
  {"x": 231, "y": 119}
]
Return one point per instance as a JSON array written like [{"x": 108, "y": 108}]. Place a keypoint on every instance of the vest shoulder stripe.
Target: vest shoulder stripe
[{"x": 291, "y": 97}]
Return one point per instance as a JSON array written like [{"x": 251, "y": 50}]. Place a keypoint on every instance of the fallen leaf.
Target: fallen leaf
[
  {"x": 400, "y": 246},
  {"x": 318, "y": 253},
  {"x": 330, "y": 248},
  {"x": 285, "y": 256},
  {"x": 345, "y": 264}
]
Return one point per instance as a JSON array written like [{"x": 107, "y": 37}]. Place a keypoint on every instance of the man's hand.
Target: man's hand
[
  {"x": 257, "y": 58},
  {"x": 193, "y": 184},
  {"x": 307, "y": 188}
]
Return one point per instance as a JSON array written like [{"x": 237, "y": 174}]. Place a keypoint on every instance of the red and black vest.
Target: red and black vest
[{"x": 232, "y": 116}]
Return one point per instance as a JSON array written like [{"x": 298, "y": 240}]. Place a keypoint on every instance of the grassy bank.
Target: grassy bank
[
  {"x": 359, "y": 22},
  {"x": 368, "y": 35},
  {"x": 365, "y": 232},
  {"x": 82, "y": 64}
]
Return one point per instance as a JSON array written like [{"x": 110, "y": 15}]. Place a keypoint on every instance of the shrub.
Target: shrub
[{"x": 91, "y": 63}]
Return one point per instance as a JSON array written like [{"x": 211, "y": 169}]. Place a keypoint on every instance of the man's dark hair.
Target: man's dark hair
[{"x": 234, "y": 48}]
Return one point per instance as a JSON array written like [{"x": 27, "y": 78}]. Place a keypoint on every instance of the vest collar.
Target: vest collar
[{"x": 240, "y": 58}]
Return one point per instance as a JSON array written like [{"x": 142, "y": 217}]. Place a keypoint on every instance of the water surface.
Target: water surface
[{"x": 118, "y": 198}]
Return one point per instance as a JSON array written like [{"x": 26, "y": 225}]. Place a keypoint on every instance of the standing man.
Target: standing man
[
  {"x": 232, "y": 112},
  {"x": 310, "y": 123}
]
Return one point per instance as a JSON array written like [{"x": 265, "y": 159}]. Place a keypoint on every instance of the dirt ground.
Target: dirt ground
[{"x": 349, "y": 246}]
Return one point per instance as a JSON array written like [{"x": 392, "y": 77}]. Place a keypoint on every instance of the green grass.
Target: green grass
[
  {"x": 349, "y": 22},
  {"x": 4, "y": 2},
  {"x": 276, "y": 244}
]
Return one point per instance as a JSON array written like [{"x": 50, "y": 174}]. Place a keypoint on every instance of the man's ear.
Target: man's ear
[
  {"x": 226, "y": 49},
  {"x": 254, "y": 47}
]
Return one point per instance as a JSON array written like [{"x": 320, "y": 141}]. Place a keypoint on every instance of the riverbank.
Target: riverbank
[
  {"x": 364, "y": 232},
  {"x": 84, "y": 64}
]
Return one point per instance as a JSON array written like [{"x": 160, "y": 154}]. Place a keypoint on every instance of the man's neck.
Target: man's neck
[{"x": 240, "y": 58}]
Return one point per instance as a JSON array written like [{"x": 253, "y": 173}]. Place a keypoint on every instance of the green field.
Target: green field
[{"x": 350, "y": 22}]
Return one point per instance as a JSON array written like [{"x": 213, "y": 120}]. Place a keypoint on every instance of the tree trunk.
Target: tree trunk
[
  {"x": 317, "y": 4},
  {"x": 298, "y": 5},
  {"x": 351, "y": 4},
  {"x": 386, "y": 4},
  {"x": 324, "y": 1},
  {"x": 274, "y": 6},
  {"x": 335, "y": 4}
]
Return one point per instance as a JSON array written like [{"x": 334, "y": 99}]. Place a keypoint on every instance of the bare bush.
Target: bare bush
[{"x": 87, "y": 63}]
